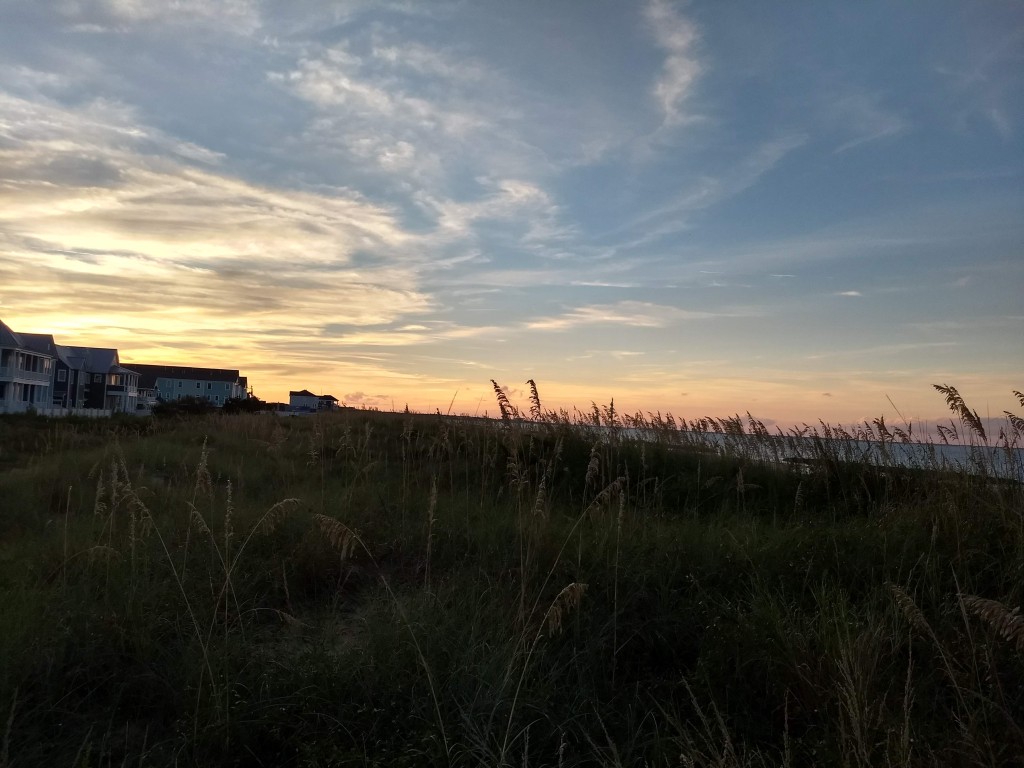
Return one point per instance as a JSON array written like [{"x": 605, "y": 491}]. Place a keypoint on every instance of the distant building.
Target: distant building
[
  {"x": 88, "y": 377},
  {"x": 39, "y": 374},
  {"x": 24, "y": 373},
  {"x": 304, "y": 400},
  {"x": 173, "y": 382}
]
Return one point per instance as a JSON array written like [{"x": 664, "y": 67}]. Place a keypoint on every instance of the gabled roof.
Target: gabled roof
[
  {"x": 301, "y": 393},
  {"x": 89, "y": 359},
  {"x": 39, "y": 342},
  {"x": 9, "y": 338},
  {"x": 102, "y": 360},
  {"x": 329, "y": 397},
  {"x": 72, "y": 357}
]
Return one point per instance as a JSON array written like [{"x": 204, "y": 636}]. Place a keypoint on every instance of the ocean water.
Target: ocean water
[{"x": 996, "y": 461}]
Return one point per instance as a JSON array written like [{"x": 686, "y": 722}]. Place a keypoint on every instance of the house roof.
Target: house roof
[
  {"x": 89, "y": 359},
  {"x": 149, "y": 373},
  {"x": 39, "y": 342},
  {"x": 72, "y": 357},
  {"x": 329, "y": 397},
  {"x": 301, "y": 393},
  {"x": 101, "y": 360},
  {"x": 9, "y": 338}
]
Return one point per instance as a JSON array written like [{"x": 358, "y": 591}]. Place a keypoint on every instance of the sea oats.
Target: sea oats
[
  {"x": 204, "y": 483},
  {"x": 506, "y": 407},
  {"x": 197, "y": 520},
  {"x": 956, "y": 403},
  {"x": 593, "y": 466},
  {"x": 608, "y": 493},
  {"x": 563, "y": 604},
  {"x": 539, "y": 508},
  {"x": 341, "y": 537},
  {"x": 910, "y": 610},
  {"x": 273, "y": 516},
  {"x": 535, "y": 409},
  {"x": 1008, "y": 624}
]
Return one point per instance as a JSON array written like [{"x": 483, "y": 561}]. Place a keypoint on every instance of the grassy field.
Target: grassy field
[{"x": 366, "y": 588}]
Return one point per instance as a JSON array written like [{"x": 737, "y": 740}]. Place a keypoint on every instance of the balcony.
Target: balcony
[{"x": 11, "y": 373}]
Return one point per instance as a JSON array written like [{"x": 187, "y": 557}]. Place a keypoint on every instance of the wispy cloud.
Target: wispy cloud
[
  {"x": 706, "y": 191},
  {"x": 635, "y": 314},
  {"x": 883, "y": 349},
  {"x": 677, "y": 36},
  {"x": 426, "y": 130},
  {"x": 441, "y": 132},
  {"x": 981, "y": 85},
  {"x": 505, "y": 199},
  {"x": 863, "y": 115},
  {"x": 116, "y": 15},
  {"x": 150, "y": 238}
]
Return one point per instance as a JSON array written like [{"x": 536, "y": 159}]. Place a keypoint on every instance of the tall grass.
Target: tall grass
[{"x": 585, "y": 588}]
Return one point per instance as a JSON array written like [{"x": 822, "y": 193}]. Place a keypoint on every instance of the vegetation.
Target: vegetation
[
  {"x": 364, "y": 588},
  {"x": 247, "y": 404},
  {"x": 183, "y": 406}
]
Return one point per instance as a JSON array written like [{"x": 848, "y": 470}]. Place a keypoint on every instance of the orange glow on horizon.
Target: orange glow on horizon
[{"x": 778, "y": 402}]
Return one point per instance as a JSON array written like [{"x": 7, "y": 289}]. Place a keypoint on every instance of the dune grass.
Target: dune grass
[{"x": 585, "y": 589}]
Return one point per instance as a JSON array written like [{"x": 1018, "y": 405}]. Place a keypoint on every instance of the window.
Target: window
[
  {"x": 62, "y": 375},
  {"x": 179, "y": 385},
  {"x": 198, "y": 385},
  {"x": 209, "y": 385},
  {"x": 97, "y": 377}
]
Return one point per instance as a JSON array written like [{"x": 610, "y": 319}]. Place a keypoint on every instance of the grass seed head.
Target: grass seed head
[
  {"x": 196, "y": 519},
  {"x": 1008, "y": 624},
  {"x": 204, "y": 483},
  {"x": 273, "y": 516},
  {"x": 593, "y": 466},
  {"x": 340, "y": 536},
  {"x": 563, "y": 604}
]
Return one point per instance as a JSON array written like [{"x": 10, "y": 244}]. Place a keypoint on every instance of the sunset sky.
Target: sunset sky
[{"x": 804, "y": 210}]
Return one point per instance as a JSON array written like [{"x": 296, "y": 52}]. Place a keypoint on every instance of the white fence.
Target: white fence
[{"x": 90, "y": 413}]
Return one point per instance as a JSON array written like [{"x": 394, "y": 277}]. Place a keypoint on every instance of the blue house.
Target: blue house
[{"x": 173, "y": 382}]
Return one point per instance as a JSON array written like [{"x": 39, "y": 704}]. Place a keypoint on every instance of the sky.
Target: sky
[{"x": 801, "y": 210}]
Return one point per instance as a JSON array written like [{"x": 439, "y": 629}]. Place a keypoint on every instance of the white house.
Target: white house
[
  {"x": 24, "y": 374},
  {"x": 304, "y": 400}
]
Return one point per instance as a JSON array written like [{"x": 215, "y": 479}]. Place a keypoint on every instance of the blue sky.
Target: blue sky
[{"x": 799, "y": 209}]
